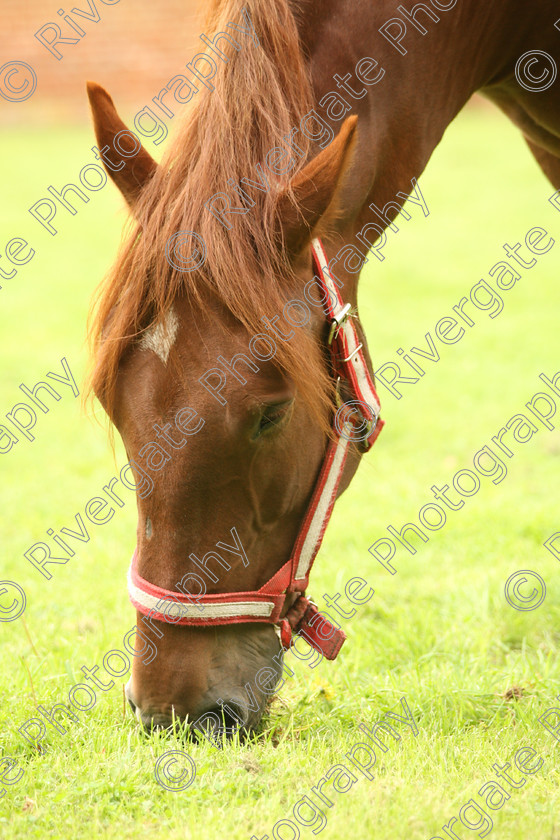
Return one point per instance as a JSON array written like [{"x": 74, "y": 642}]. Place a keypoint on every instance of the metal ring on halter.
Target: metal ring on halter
[
  {"x": 371, "y": 424},
  {"x": 358, "y": 348},
  {"x": 366, "y": 424}
]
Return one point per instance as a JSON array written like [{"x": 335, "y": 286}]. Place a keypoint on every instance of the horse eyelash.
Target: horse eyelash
[{"x": 269, "y": 421}]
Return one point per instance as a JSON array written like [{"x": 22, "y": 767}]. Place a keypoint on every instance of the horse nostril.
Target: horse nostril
[
  {"x": 219, "y": 720},
  {"x": 234, "y": 717}
]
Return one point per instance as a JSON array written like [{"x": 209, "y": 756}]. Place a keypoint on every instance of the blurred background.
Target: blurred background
[{"x": 155, "y": 39}]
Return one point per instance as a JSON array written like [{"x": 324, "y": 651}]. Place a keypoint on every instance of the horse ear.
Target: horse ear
[
  {"x": 137, "y": 170},
  {"x": 315, "y": 190}
]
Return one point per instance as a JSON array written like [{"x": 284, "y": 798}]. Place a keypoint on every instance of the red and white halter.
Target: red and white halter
[{"x": 265, "y": 604}]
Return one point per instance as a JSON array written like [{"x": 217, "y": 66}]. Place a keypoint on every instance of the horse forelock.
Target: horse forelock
[{"x": 261, "y": 93}]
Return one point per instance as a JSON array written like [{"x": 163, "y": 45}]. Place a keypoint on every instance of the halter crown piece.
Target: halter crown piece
[{"x": 265, "y": 604}]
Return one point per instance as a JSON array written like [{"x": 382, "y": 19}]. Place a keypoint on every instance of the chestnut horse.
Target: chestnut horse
[{"x": 381, "y": 83}]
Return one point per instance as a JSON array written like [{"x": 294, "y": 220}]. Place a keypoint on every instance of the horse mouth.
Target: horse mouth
[{"x": 212, "y": 725}]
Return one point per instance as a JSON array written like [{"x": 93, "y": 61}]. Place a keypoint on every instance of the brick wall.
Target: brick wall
[{"x": 136, "y": 45}]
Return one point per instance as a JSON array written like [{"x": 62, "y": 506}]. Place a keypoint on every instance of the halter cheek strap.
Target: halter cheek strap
[{"x": 265, "y": 604}]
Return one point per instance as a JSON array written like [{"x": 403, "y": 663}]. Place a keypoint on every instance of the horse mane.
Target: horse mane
[{"x": 260, "y": 94}]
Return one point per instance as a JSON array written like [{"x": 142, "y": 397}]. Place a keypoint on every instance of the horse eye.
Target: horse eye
[{"x": 272, "y": 416}]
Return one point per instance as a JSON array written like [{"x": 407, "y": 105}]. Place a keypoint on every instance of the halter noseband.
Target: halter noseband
[{"x": 265, "y": 604}]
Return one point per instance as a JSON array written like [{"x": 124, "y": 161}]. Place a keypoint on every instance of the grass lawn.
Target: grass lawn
[{"x": 438, "y": 632}]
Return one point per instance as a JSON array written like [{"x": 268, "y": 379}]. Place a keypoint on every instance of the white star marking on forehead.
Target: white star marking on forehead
[{"x": 160, "y": 337}]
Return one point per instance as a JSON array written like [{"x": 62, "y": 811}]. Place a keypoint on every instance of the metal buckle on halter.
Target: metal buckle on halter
[
  {"x": 337, "y": 395},
  {"x": 337, "y": 321}
]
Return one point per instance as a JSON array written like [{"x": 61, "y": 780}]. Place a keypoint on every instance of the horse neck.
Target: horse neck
[{"x": 403, "y": 117}]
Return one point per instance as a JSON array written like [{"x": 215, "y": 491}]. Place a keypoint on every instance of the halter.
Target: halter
[{"x": 265, "y": 604}]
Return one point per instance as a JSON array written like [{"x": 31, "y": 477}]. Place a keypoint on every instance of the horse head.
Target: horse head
[{"x": 222, "y": 391}]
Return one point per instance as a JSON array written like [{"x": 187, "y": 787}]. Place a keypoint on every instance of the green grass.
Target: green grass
[{"x": 438, "y": 632}]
